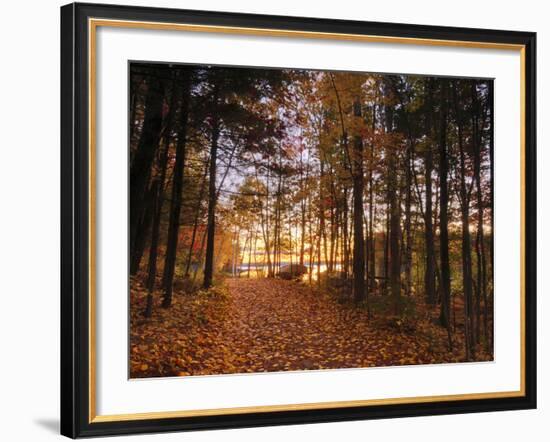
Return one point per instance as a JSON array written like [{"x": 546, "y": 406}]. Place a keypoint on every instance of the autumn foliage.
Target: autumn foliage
[{"x": 286, "y": 219}]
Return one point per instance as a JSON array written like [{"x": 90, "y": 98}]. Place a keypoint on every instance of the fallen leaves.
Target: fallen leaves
[{"x": 260, "y": 325}]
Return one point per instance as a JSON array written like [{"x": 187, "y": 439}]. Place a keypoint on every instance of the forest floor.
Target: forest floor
[{"x": 261, "y": 325}]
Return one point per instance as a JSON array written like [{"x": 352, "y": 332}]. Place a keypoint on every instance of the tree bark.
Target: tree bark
[
  {"x": 394, "y": 222},
  {"x": 142, "y": 231},
  {"x": 158, "y": 189},
  {"x": 152, "y": 266},
  {"x": 345, "y": 239},
  {"x": 175, "y": 203},
  {"x": 148, "y": 214},
  {"x": 466, "y": 239},
  {"x": 358, "y": 239},
  {"x": 140, "y": 169},
  {"x": 196, "y": 222},
  {"x": 212, "y": 201},
  {"x": 491, "y": 170},
  {"x": 445, "y": 282},
  {"x": 429, "y": 272},
  {"x": 408, "y": 233}
]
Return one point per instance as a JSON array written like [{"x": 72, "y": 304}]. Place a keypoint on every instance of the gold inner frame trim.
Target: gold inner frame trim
[{"x": 93, "y": 24}]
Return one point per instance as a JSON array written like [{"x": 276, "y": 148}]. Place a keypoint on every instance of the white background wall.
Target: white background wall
[{"x": 29, "y": 220}]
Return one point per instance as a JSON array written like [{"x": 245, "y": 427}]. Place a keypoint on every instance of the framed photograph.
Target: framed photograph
[{"x": 278, "y": 220}]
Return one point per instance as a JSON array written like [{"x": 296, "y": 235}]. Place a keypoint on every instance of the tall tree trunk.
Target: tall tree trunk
[
  {"x": 491, "y": 106},
  {"x": 429, "y": 271},
  {"x": 330, "y": 266},
  {"x": 345, "y": 241},
  {"x": 158, "y": 189},
  {"x": 310, "y": 236},
  {"x": 358, "y": 239},
  {"x": 175, "y": 203},
  {"x": 371, "y": 239},
  {"x": 322, "y": 231},
  {"x": 395, "y": 256},
  {"x": 264, "y": 222},
  {"x": 142, "y": 232},
  {"x": 303, "y": 233},
  {"x": 196, "y": 222},
  {"x": 481, "y": 289},
  {"x": 408, "y": 232},
  {"x": 148, "y": 214},
  {"x": 387, "y": 248},
  {"x": 409, "y": 158},
  {"x": 303, "y": 209},
  {"x": 278, "y": 212},
  {"x": 466, "y": 240},
  {"x": 319, "y": 256},
  {"x": 212, "y": 200},
  {"x": 394, "y": 221},
  {"x": 140, "y": 170},
  {"x": 445, "y": 282},
  {"x": 201, "y": 254},
  {"x": 252, "y": 249},
  {"x": 466, "y": 266},
  {"x": 152, "y": 267}
]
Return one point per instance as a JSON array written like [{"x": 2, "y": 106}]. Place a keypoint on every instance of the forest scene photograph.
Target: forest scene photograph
[{"x": 290, "y": 219}]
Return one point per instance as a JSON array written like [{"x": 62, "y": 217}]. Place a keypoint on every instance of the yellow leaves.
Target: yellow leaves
[{"x": 257, "y": 325}]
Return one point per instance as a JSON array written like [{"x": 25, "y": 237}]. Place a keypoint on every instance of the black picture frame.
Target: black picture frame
[{"x": 75, "y": 220}]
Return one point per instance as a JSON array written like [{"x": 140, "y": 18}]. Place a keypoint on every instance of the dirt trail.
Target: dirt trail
[
  {"x": 272, "y": 325},
  {"x": 277, "y": 325}
]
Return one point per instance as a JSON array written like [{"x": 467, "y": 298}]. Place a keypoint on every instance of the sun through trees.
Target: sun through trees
[{"x": 285, "y": 219}]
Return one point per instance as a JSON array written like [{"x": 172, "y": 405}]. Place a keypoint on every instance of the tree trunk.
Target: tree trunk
[
  {"x": 148, "y": 214},
  {"x": 140, "y": 170},
  {"x": 358, "y": 239},
  {"x": 429, "y": 272},
  {"x": 481, "y": 289},
  {"x": 158, "y": 189},
  {"x": 445, "y": 282},
  {"x": 175, "y": 203},
  {"x": 371, "y": 239},
  {"x": 196, "y": 222},
  {"x": 395, "y": 256},
  {"x": 142, "y": 231},
  {"x": 303, "y": 209},
  {"x": 152, "y": 267},
  {"x": 466, "y": 240},
  {"x": 322, "y": 231},
  {"x": 212, "y": 200},
  {"x": 345, "y": 240},
  {"x": 387, "y": 248},
  {"x": 408, "y": 233},
  {"x": 394, "y": 222}
]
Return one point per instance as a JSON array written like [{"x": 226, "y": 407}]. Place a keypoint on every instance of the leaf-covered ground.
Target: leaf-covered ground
[{"x": 258, "y": 325}]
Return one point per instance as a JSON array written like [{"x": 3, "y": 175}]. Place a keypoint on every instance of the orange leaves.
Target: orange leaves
[{"x": 257, "y": 325}]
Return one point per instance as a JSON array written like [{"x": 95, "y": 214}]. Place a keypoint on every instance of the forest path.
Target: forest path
[
  {"x": 268, "y": 324},
  {"x": 274, "y": 325}
]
